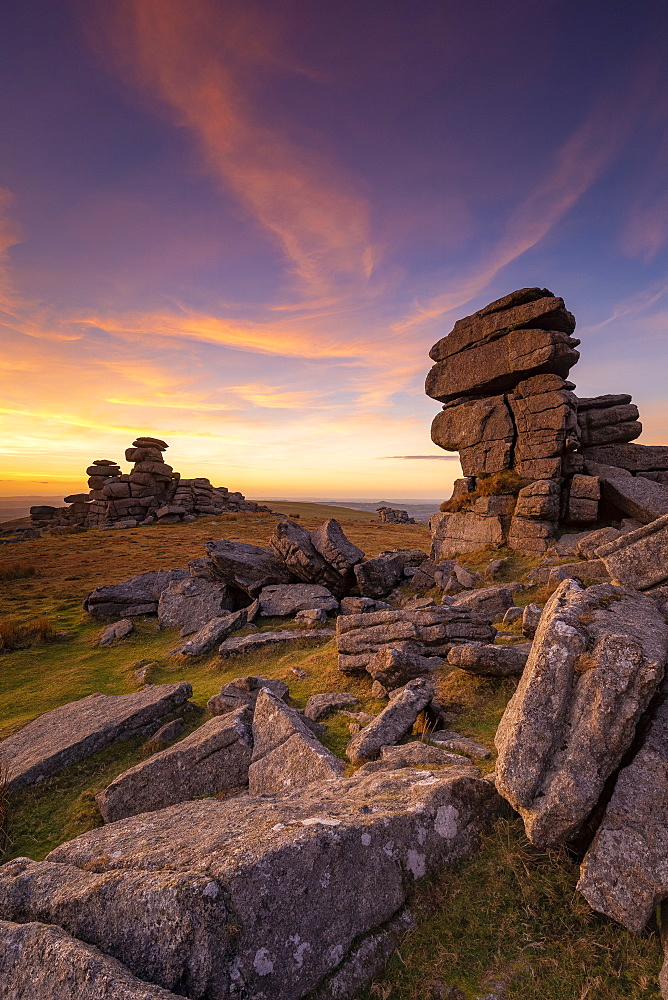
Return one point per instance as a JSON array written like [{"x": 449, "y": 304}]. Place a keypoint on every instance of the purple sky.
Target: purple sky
[{"x": 241, "y": 225}]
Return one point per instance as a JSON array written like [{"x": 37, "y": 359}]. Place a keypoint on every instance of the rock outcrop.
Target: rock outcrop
[
  {"x": 150, "y": 492},
  {"x": 508, "y": 408},
  {"x": 596, "y": 661},
  {"x": 186, "y": 898}
]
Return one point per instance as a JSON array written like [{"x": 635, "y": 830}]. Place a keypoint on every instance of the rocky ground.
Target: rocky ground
[{"x": 503, "y": 922}]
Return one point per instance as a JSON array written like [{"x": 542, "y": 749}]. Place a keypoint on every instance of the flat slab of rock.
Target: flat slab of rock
[
  {"x": 137, "y": 596},
  {"x": 242, "y": 692},
  {"x": 394, "y": 666},
  {"x": 492, "y": 602},
  {"x": 319, "y": 705},
  {"x": 118, "y": 630},
  {"x": 212, "y": 634},
  {"x": 213, "y": 871},
  {"x": 625, "y": 871},
  {"x": 419, "y": 754},
  {"x": 299, "y": 761},
  {"x": 238, "y": 645},
  {"x": 638, "y": 558},
  {"x": 428, "y": 632},
  {"x": 462, "y": 744},
  {"x": 190, "y": 603},
  {"x": 44, "y": 961},
  {"x": 247, "y": 567},
  {"x": 393, "y": 723},
  {"x": 288, "y": 598},
  {"x": 596, "y": 661},
  {"x": 638, "y": 497},
  {"x": 214, "y": 758},
  {"x": 490, "y": 660},
  {"x": 72, "y": 732}
]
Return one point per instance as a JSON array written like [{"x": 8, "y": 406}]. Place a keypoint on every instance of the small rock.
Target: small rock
[
  {"x": 393, "y": 722},
  {"x": 298, "y": 672},
  {"x": 492, "y": 602},
  {"x": 242, "y": 692},
  {"x": 168, "y": 733},
  {"x": 118, "y": 630},
  {"x": 530, "y": 619},
  {"x": 319, "y": 705},
  {"x": 312, "y": 617},
  {"x": 453, "y": 741},
  {"x": 512, "y": 615},
  {"x": 378, "y": 691},
  {"x": 490, "y": 660},
  {"x": 394, "y": 666},
  {"x": 359, "y": 605},
  {"x": 464, "y": 577},
  {"x": 494, "y": 567}
]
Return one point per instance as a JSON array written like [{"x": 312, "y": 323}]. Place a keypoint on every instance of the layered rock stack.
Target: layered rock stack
[
  {"x": 151, "y": 491},
  {"x": 511, "y": 413},
  {"x": 390, "y": 515}
]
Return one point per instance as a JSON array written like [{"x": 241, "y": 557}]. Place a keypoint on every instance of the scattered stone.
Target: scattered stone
[
  {"x": 490, "y": 661},
  {"x": 419, "y": 754},
  {"x": 376, "y": 577},
  {"x": 359, "y": 605},
  {"x": 247, "y": 567},
  {"x": 493, "y": 567},
  {"x": 638, "y": 558},
  {"x": 72, "y": 732},
  {"x": 512, "y": 615},
  {"x": 625, "y": 871},
  {"x": 42, "y": 960},
  {"x": 167, "y": 734},
  {"x": 287, "y": 599},
  {"x": 301, "y": 674},
  {"x": 597, "y": 659},
  {"x": 378, "y": 690},
  {"x": 212, "y": 759},
  {"x": 242, "y": 692},
  {"x": 118, "y": 630},
  {"x": 393, "y": 667},
  {"x": 393, "y": 723},
  {"x": 530, "y": 619},
  {"x": 454, "y": 741},
  {"x": 320, "y": 705},
  {"x": 492, "y": 602},
  {"x": 212, "y": 634},
  {"x": 263, "y": 640},
  {"x": 210, "y": 867},
  {"x": 311, "y": 617},
  {"x": 190, "y": 603}
]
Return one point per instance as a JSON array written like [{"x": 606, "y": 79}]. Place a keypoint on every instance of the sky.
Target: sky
[{"x": 240, "y": 226}]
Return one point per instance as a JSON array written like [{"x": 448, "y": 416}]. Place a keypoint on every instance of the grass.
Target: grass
[
  {"x": 17, "y": 635},
  {"x": 509, "y": 915},
  {"x": 17, "y": 570},
  {"x": 508, "y": 922}
]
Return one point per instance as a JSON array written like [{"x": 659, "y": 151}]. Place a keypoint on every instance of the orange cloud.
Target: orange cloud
[{"x": 203, "y": 61}]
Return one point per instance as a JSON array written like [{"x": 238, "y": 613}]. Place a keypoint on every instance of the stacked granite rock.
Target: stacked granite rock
[
  {"x": 390, "y": 515},
  {"x": 508, "y": 407},
  {"x": 151, "y": 491}
]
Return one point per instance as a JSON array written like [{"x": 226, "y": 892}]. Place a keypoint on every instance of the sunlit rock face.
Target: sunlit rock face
[{"x": 510, "y": 411}]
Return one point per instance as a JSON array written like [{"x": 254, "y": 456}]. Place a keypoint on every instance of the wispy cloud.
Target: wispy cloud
[{"x": 204, "y": 62}]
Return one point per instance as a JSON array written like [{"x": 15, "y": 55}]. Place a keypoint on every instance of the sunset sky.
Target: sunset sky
[{"x": 240, "y": 226}]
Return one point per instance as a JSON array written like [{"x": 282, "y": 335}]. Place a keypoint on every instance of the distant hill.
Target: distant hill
[{"x": 13, "y": 507}]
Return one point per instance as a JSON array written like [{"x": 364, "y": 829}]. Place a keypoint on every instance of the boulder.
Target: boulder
[
  {"x": 44, "y": 961},
  {"x": 137, "y": 596},
  {"x": 625, "y": 871},
  {"x": 311, "y": 617},
  {"x": 320, "y": 705},
  {"x": 596, "y": 661},
  {"x": 118, "y": 630},
  {"x": 419, "y": 754},
  {"x": 191, "y": 603},
  {"x": 393, "y": 666},
  {"x": 512, "y": 615},
  {"x": 394, "y": 722},
  {"x": 214, "y": 758},
  {"x": 274, "y": 722},
  {"x": 242, "y": 692},
  {"x": 330, "y": 541},
  {"x": 481, "y": 430},
  {"x": 247, "y": 567},
  {"x": 638, "y": 558},
  {"x": 491, "y": 602},
  {"x": 213, "y": 870},
  {"x": 453, "y": 534},
  {"x": 300, "y": 761},
  {"x": 376, "y": 577},
  {"x": 490, "y": 661},
  {"x": 638, "y": 497},
  {"x": 72, "y": 732},
  {"x": 288, "y": 598},
  {"x": 632, "y": 457},
  {"x": 294, "y": 545},
  {"x": 462, "y": 744},
  {"x": 428, "y": 632},
  {"x": 212, "y": 634},
  {"x": 592, "y": 540},
  {"x": 530, "y": 619},
  {"x": 259, "y": 641}
]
